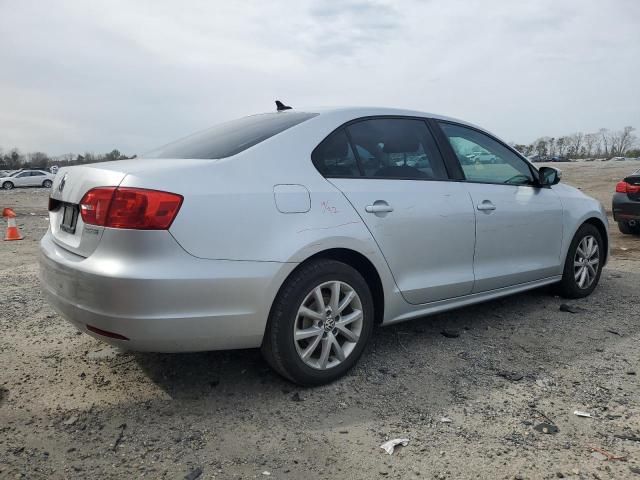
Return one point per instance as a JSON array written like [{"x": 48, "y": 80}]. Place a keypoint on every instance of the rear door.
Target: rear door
[
  {"x": 391, "y": 171},
  {"x": 36, "y": 178},
  {"x": 518, "y": 225}
]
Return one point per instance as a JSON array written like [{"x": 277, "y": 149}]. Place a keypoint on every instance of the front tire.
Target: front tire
[
  {"x": 319, "y": 324},
  {"x": 7, "y": 185},
  {"x": 584, "y": 262}
]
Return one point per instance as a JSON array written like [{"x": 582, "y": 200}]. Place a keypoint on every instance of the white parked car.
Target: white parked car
[
  {"x": 297, "y": 231},
  {"x": 28, "y": 178}
]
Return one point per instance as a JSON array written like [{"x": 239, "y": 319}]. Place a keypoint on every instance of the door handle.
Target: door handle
[
  {"x": 379, "y": 206},
  {"x": 486, "y": 206}
]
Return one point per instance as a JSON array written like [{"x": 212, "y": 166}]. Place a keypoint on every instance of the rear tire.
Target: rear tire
[
  {"x": 323, "y": 343},
  {"x": 581, "y": 258},
  {"x": 47, "y": 184},
  {"x": 7, "y": 185}
]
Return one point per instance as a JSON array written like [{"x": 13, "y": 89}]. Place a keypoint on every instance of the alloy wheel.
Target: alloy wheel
[
  {"x": 586, "y": 262},
  {"x": 328, "y": 325}
]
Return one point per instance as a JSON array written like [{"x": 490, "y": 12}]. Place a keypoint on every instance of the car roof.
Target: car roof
[
  {"x": 364, "y": 111},
  {"x": 343, "y": 114}
]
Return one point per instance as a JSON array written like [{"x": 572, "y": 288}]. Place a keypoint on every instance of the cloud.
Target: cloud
[{"x": 99, "y": 75}]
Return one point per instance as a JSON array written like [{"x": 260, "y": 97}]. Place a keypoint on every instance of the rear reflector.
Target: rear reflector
[
  {"x": 105, "y": 333},
  {"x": 134, "y": 208},
  {"x": 624, "y": 187}
]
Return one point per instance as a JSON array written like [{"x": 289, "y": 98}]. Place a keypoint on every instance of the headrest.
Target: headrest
[{"x": 401, "y": 144}]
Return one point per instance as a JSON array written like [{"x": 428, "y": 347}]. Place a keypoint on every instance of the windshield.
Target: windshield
[{"x": 232, "y": 137}]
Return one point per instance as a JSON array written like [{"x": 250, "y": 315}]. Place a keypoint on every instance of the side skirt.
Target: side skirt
[{"x": 458, "y": 302}]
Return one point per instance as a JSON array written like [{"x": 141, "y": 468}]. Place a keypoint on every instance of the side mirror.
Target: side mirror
[{"x": 548, "y": 176}]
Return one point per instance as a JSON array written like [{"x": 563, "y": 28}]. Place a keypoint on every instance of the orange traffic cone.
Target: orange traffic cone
[{"x": 13, "y": 233}]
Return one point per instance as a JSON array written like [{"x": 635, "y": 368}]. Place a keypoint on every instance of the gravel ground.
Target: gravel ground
[{"x": 471, "y": 406}]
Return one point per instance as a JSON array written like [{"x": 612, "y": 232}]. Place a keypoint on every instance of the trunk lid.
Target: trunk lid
[{"x": 69, "y": 186}]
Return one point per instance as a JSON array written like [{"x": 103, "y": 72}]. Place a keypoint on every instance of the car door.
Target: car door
[
  {"x": 518, "y": 224},
  {"x": 23, "y": 179},
  {"x": 36, "y": 178},
  {"x": 391, "y": 171}
]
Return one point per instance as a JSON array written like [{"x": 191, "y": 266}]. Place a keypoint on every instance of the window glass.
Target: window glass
[
  {"x": 232, "y": 137},
  {"x": 23, "y": 174},
  {"x": 36, "y": 174},
  {"x": 397, "y": 148},
  {"x": 334, "y": 156},
  {"x": 483, "y": 159}
]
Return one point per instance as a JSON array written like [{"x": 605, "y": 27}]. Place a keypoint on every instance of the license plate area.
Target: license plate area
[{"x": 69, "y": 218}]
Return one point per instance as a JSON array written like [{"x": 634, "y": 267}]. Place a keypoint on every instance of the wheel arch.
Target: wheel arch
[
  {"x": 359, "y": 262},
  {"x": 599, "y": 224}
]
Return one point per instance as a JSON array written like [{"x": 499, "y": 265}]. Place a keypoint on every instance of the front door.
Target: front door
[{"x": 518, "y": 225}]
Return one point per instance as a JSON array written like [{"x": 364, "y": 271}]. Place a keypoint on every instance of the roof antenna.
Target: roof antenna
[{"x": 281, "y": 106}]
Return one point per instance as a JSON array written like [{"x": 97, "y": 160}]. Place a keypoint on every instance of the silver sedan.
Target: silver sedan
[{"x": 298, "y": 231}]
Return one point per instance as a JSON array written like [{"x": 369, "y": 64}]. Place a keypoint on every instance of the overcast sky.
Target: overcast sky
[{"x": 80, "y": 76}]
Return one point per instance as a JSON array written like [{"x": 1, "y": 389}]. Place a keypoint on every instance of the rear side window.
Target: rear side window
[
  {"x": 334, "y": 156},
  {"x": 381, "y": 148},
  {"x": 397, "y": 148},
  {"x": 231, "y": 138}
]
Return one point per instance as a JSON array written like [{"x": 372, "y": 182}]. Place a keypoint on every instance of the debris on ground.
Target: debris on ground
[
  {"x": 580, "y": 413},
  {"x": 450, "y": 333},
  {"x": 547, "y": 428},
  {"x": 632, "y": 438},
  {"x": 566, "y": 307},
  {"x": 391, "y": 444},
  {"x": 511, "y": 376},
  {"x": 607, "y": 455},
  {"x": 445, "y": 420},
  {"x": 122, "y": 427},
  {"x": 193, "y": 474},
  {"x": 71, "y": 420}
]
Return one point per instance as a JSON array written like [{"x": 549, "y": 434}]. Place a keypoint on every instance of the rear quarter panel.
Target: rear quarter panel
[{"x": 229, "y": 211}]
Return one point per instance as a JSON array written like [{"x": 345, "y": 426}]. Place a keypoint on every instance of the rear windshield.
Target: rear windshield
[{"x": 232, "y": 137}]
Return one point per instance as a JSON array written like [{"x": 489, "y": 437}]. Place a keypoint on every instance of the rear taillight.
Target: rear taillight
[
  {"x": 94, "y": 206},
  {"x": 624, "y": 187},
  {"x": 134, "y": 208}
]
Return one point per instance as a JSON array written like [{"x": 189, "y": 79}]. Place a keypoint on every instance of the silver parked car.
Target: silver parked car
[
  {"x": 297, "y": 231},
  {"x": 27, "y": 178}
]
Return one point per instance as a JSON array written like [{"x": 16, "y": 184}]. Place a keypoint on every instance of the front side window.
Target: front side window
[
  {"x": 396, "y": 148},
  {"x": 231, "y": 138},
  {"x": 484, "y": 159}
]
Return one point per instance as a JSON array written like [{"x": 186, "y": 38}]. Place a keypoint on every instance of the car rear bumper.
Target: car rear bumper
[
  {"x": 624, "y": 208},
  {"x": 159, "y": 297}
]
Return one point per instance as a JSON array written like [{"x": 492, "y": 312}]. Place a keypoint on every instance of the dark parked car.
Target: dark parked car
[
  {"x": 626, "y": 204},
  {"x": 559, "y": 159}
]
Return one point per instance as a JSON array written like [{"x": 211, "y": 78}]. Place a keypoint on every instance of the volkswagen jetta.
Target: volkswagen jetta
[{"x": 298, "y": 231}]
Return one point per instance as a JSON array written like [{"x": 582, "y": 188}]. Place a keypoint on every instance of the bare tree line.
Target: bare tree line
[
  {"x": 14, "y": 159},
  {"x": 601, "y": 144}
]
